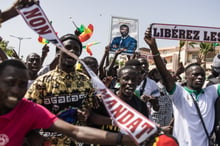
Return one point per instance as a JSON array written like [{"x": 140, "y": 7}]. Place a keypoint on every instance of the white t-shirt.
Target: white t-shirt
[
  {"x": 164, "y": 116},
  {"x": 188, "y": 128},
  {"x": 150, "y": 89}
]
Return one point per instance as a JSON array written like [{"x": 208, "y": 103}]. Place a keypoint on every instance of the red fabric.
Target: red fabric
[
  {"x": 88, "y": 50},
  {"x": 23, "y": 118},
  {"x": 165, "y": 140},
  {"x": 87, "y": 33}
]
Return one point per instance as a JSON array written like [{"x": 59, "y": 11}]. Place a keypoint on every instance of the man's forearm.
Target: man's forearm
[
  {"x": 8, "y": 14},
  {"x": 166, "y": 76}
]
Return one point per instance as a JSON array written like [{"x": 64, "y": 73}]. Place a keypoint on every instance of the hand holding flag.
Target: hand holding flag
[{"x": 43, "y": 40}]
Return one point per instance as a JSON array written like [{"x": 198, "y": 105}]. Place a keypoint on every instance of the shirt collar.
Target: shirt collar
[
  {"x": 124, "y": 37},
  {"x": 195, "y": 92},
  {"x": 13, "y": 112},
  {"x": 63, "y": 73}
]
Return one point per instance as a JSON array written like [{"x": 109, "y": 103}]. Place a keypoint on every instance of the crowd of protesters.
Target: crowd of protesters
[{"x": 57, "y": 105}]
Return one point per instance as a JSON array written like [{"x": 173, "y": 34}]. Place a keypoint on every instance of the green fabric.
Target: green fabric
[
  {"x": 216, "y": 44},
  {"x": 137, "y": 93},
  {"x": 172, "y": 91},
  {"x": 190, "y": 91},
  {"x": 218, "y": 89},
  {"x": 81, "y": 28}
]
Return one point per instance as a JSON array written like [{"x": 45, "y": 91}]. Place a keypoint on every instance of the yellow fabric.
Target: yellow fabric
[
  {"x": 156, "y": 141},
  {"x": 78, "y": 67}
]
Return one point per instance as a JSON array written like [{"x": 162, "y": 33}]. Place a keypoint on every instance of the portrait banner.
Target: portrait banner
[
  {"x": 185, "y": 32},
  {"x": 130, "y": 43}
]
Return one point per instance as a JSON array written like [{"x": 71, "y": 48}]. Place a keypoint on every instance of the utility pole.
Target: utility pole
[{"x": 20, "y": 39}]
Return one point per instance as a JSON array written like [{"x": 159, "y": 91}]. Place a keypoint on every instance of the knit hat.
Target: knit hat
[{"x": 216, "y": 63}]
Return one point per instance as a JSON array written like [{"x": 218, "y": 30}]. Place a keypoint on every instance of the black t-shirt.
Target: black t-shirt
[{"x": 134, "y": 102}]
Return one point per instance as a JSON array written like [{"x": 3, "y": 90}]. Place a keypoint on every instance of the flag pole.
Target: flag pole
[{"x": 73, "y": 23}]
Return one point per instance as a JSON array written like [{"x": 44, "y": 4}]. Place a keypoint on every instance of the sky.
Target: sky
[{"x": 99, "y": 14}]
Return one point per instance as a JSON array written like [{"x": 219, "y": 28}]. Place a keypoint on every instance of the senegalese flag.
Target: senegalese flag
[
  {"x": 88, "y": 49},
  {"x": 86, "y": 32},
  {"x": 43, "y": 40}
]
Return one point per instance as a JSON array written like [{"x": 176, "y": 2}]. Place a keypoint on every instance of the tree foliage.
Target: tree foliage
[
  {"x": 7, "y": 49},
  {"x": 205, "y": 48}
]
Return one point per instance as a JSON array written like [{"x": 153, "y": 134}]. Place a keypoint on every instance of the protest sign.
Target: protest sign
[
  {"x": 118, "y": 41},
  {"x": 185, "y": 32}
]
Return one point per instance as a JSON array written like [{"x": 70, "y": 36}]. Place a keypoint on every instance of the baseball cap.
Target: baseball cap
[{"x": 71, "y": 37}]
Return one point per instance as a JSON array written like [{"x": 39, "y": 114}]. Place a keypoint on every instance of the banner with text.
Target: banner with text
[
  {"x": 127, "y": 118},
  {"x": 185, "y": 32}
]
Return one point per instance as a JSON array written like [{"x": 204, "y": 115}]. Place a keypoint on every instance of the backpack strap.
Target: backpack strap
[
  {"x": 200, "y": 116},
  {"x": 143, "y": 86}
]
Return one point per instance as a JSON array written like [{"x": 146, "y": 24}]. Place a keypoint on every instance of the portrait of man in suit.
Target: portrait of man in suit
[{"x": 123, "y": 40}]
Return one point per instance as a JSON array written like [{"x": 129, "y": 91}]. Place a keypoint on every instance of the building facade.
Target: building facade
[{"x": 188, "y": 54}]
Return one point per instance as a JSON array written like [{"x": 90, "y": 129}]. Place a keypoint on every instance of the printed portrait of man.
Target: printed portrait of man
[{"x": 122, "y": 36}]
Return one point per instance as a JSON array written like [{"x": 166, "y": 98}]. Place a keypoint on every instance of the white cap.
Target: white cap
[{"x": 216, "y": 63}]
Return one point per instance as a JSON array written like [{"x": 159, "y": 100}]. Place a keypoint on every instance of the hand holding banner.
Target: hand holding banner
[{"x": 128, "y": 119}]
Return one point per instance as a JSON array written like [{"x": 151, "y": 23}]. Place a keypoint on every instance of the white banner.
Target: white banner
[
  {"x": 185, "y": 32},
  {"x": 128, "y": 119},
  {"x": 36, "y": 19}
]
